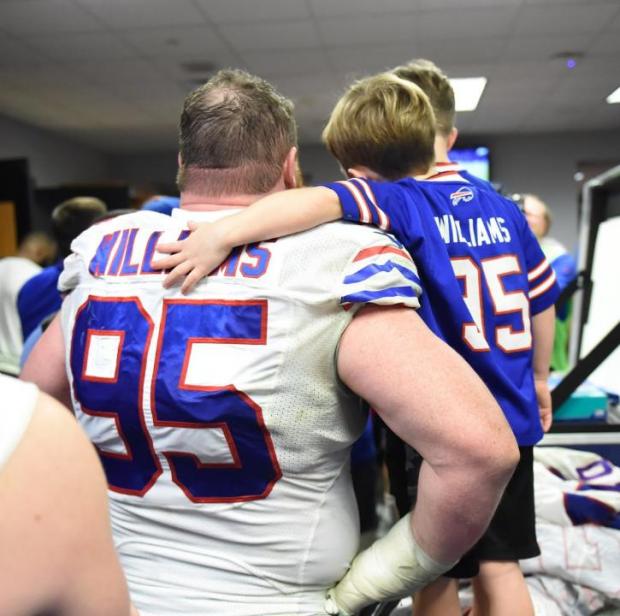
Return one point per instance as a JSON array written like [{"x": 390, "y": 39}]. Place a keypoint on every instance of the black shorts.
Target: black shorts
[{"x": 512, "y": 532}]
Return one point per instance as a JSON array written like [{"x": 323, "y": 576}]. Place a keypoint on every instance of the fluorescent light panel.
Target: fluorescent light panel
[
  {"x": 614, "y": 97},
  {"x": 467, "y": 92}
]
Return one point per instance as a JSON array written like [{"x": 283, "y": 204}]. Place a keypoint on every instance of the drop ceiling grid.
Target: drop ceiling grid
[{"x": 127, "y": 54}]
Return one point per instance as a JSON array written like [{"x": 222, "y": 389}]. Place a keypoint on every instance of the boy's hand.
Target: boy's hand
[
  {"x": 193, "y": 258},
  {"x": 543, "y": 397}
]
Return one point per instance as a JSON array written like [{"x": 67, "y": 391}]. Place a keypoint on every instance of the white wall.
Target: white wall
[
  {"x": 546, "y": 165},
  {"x": 541, "y": 163},
  {"x": 53, "y": 159},
  {"x": 157, "y": 169}
]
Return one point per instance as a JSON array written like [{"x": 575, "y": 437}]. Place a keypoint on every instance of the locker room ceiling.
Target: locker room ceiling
[{"x": 113, "y": 73}]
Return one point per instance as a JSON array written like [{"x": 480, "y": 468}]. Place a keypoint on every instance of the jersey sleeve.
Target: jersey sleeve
[
  {"x": 565, "y": 269},
  {"x": 74, "y": 265},
  {"x": 382, "y": 204},
  {"x": 381, "y": 273},
  {"x": 543, "y": 286}
]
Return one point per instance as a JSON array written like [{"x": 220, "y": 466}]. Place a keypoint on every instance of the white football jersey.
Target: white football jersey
[
  {"x": 219, "y": 417},
  {"x": 19, "y": 401},
  {"x": 14, "y": 272}
]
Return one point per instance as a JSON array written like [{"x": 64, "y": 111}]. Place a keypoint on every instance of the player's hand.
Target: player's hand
[
  {"x": 193, "y": 258},
  {"x": 331, "y": 605},
  {"x": 543, "y": 397}
]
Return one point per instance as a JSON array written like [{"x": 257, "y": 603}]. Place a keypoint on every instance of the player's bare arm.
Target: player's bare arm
[
  {"x": 58, "y": 555},
  {"x": 468, "y": 448},
  {"x": 276, "y": 215},
  {"x": 45, "y": 366},
  {"x": 543, "y": 330}
]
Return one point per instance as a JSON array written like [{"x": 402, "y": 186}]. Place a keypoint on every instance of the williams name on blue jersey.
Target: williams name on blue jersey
[{"x": 482, "y": 270}]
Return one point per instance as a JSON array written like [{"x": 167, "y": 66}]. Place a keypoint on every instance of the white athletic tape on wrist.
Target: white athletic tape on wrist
[{"x": 392, "y": 567}]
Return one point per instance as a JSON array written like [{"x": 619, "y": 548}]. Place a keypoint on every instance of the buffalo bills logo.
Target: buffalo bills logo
[{"x": 462, "y": 194}]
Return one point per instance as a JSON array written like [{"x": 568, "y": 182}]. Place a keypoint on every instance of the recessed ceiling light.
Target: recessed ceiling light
[
  {"x": 569, "y": 58},
  {"x": 614, "y": 97},
  {"x": 467, "y": 92}
]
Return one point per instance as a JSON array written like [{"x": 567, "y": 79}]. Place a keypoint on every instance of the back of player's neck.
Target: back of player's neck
[{"x": 204, "y": 203}]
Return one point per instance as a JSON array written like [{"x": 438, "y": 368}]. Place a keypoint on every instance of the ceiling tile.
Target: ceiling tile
[
  {"x": 614, "y": 24},
  {"x": 370, "y": 58},
  {"x": 567, "y": 2},
  {"x": 521, "y": 72},
  {"x": 38, "y": 80},
  {"x": 264, "y": 36},
  {"x": 299, "y": 86},
  {"x": 454, "y": 69},
  {"x": 88, "y": 47},
  {"x": 565, "y": 19},
  {"x": 15, "y": 52},
  {"x": 470, "y": 51},
  {"x": 500, "y": 95},
  {"x": 606, "y": 43},
  {"x": 573, "y": 93},
  {"x": 152, "y": 94},
  {"x": 200, "y": 41},
  {"x": 362, "y": 30},
  {"x": 242, "y": 11},
  {"x": 267, "y": 63},
  {"x": 116, "y": 73},
  {"x": 542, "y": 48},
  {"x": 46, "y": 16},
  {"x": 173, "y": 69},
  {"x": 594, "y": 70},
  {"x": 123, "y": 14},
  {"x": 444, "y": 4},
  {"x": 459, "y": 24},
  {"x": 351, "y": 8}
]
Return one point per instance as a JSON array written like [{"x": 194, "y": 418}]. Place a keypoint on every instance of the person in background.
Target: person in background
[
  {"x": 564, "y": 265},
  {"x": 39, "y": 297},
  {"x": 57, "y": 553},
  {"x": 35, "y": 250},
  {"x": 164, "y": 204}
]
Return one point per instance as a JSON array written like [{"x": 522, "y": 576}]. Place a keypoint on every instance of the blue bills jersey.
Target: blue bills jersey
[
  {"x": 447, "y": 171},
  {"x": 483, "y": 273}
]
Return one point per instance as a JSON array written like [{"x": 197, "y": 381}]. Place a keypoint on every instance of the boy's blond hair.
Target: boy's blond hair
[
  {"x": 436, "y": 85},
  {"x": 384, "y": 123}
]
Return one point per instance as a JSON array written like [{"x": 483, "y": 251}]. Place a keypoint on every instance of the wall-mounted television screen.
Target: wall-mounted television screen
[{"x": 474, "y": 160}]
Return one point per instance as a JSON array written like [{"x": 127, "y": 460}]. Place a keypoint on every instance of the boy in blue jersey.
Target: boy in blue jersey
[{"x": 489, "y": 291}]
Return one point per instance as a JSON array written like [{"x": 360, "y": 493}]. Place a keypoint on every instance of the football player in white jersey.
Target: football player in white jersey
[
  {"x": 223, "y": 418},
  {"x": 57, "y": 554}
]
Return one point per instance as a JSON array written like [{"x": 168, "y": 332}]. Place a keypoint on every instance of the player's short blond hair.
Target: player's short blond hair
[
  {"x": 384, "y": 123},
  {"x": 436, "y": 85}
]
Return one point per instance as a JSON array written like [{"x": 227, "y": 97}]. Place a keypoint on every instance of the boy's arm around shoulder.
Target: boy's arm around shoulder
[{"x": 276, "y": 215}]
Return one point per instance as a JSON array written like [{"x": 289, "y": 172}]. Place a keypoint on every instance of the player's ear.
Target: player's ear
[
  {"x": 452, "y": 137},
  {"x": 360, "y": 171},
  {"x": 289, "y": 169}
]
